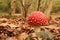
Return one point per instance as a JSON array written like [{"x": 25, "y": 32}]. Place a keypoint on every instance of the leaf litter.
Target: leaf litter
[{"x": 16, "y": 29}]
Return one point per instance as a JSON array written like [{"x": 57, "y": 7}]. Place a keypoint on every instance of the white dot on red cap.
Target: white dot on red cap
[
  {"x": 44, "y": 21},
  {"x": 39, "y": 19},
  {"x": 41, "y": 24},
  {"x": 30, "y": 21},
  {"x": 35, "y": 20},
  {"x": 32, "y": 18}
]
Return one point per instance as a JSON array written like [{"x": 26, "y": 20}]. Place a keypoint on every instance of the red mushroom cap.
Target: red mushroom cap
[{"x": 37, "y": 18}]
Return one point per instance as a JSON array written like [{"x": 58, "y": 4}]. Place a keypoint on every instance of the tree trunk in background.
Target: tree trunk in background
[
  {"x": 43, "y": 5},
  {"x": 12, "y": 7},
  {"x": 49, "y": 8},
  {"x": 38, "y": 5},
  {"x": 25, "y": 7}
]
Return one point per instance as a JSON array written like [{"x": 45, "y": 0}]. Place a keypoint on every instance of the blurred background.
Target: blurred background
[
  {"x": 16, "y": 26},
  {"x": 49, "y": 7}
]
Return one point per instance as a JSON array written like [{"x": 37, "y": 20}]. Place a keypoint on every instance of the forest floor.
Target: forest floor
[{"x": 15, "y": 28}]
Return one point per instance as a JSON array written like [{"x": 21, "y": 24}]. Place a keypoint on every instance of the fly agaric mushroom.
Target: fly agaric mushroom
[{"x": 37, "y": 18}]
